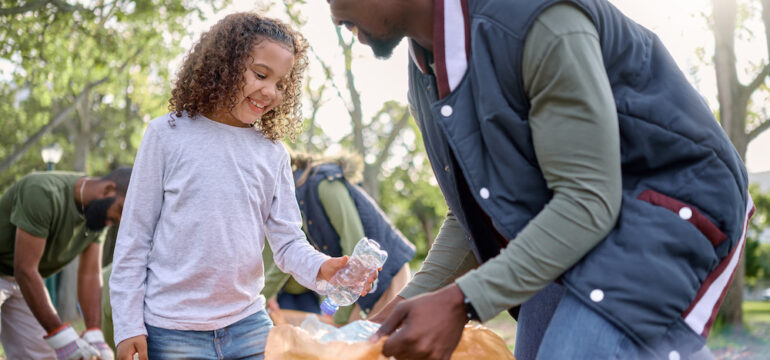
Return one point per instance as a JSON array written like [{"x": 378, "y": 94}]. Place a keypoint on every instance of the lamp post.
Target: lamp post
[{"x": 51, "y": 155}]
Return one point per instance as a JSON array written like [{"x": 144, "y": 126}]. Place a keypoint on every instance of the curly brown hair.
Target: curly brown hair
[{"x": 212, "y": 72}]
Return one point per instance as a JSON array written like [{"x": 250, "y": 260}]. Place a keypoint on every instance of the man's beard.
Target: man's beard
[
  {"x": 383, "y": 48},
  {"x": 96, "y": 213}
]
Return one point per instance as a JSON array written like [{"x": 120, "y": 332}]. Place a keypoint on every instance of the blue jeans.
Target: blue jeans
[
  {"x": 577, "y": 332},
  {"x": 245, "y": 339}
]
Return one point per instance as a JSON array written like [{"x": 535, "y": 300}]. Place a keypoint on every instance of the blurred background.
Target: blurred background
[{"x": 80, "y": 79}]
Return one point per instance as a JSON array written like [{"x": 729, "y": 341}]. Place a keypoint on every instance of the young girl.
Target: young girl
[{"x": 206, "y": 190}]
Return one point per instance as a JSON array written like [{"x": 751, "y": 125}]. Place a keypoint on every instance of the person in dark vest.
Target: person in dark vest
[
  {"x": 336, "y": 214},
  {"x": 575, "y": 157},
  {"x": 47, "y": 219}
]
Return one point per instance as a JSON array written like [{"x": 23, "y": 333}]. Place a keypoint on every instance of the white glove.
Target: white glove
[
  {"x": 69, "y": 346},
  {"x": 96, "y": 339}
]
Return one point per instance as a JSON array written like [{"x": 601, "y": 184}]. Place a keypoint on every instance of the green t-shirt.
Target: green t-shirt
[{"x": 43, "y": 204}]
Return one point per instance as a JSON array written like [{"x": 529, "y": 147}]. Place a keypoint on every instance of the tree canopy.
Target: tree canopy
[{"x": 86, "y": 75}]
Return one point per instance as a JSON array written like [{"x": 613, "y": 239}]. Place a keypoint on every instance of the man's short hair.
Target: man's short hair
[{"x": 121, "y": 177}]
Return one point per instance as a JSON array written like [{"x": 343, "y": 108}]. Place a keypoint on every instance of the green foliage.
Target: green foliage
[
  {"x": 114, "y": 54},
  {"x": 758, "y": 254},
  {"x": 389, "y": 142},
  {"x": 411, "y": 197}
]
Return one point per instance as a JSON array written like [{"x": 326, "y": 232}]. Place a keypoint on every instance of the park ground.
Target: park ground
[{"x": 753, "y": 345}]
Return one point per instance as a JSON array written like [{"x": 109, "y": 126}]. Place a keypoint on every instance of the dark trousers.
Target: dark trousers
[
  {"x": 534, "y": 316},
  {"x": 307, "y": 301}
]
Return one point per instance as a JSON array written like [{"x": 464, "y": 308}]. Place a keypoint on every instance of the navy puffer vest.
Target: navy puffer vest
[
  {"x": 685, "y": 203},
  {"x": 322, "y": 235}
]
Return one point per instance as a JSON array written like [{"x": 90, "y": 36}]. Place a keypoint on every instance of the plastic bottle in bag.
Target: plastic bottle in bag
[
  {"x": 345, "y": 287},
  {"x": 315, "y": 327},
  {"x": 357, "y": 331}
]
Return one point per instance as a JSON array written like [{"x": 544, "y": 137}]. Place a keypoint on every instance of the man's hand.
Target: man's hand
[
  {"x": 69, "y": 346},
  {"x": 426, "y": 327},
  {"x": 383, "y": 314},
  {"x": 133, "y": 345},
  {"x": 96, "y": 339}
]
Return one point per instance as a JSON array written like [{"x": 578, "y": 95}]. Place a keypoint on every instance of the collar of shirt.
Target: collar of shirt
[{"x": 451, "y": 44}]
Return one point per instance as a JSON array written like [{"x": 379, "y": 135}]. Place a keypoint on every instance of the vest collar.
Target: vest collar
[{"x": 451, "y": 44}]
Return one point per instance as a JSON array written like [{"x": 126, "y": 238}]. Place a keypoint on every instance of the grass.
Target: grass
[
  {"x": 751, "y": 343},
  {"x": 756, "y": 311}
]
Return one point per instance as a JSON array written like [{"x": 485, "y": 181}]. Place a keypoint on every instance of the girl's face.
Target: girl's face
[{"x": 263, "y": 82}]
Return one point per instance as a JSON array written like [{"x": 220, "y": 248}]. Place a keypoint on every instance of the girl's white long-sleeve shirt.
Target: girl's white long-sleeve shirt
[{"x": 203, "y": 197}]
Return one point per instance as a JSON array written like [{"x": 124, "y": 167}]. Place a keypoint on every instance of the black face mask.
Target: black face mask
[
  {"x": 383, "y": 48},
  {"x": 96, "y": 213}
]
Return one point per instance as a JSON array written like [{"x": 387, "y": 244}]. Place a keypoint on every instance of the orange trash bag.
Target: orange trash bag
[{"x": 289, "y": 342}]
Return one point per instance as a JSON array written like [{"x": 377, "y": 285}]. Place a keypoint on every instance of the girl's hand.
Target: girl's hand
[
  {"x": 133, "y": 345},
  {"x": 331, "y": 266},
  {"x": 370, "y": 282}
]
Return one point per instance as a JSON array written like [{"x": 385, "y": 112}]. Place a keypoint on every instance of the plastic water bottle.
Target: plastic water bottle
[
  {"x": 315, "y": 327},
  {"x": 345, "y": 287},
  {"x": 357, "y": 331}
]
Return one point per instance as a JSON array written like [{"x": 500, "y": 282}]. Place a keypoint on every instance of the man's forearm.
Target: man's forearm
[
  {"x": 33, "y": 289},
  {"x": 89, "y": 296},
  {"x": 449, "y": 257}
]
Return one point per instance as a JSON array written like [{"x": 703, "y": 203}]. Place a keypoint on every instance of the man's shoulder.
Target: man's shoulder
[
  {"x": 49, "y": 180},
  {"x": 564, "y": 18},
  {"x": 36, "y": 189},
  {"x": 560, "y": 17}
]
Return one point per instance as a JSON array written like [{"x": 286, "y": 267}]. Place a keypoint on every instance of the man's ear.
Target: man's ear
[{"x": 109, "y": 189}]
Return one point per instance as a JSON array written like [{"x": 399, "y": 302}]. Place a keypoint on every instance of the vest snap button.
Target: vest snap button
[
  {"x": 597, "y": 295},
  {"x": 673, "y": 355},
  {"x": 685, "y": 213},
  {"x": 446, "y": 110},
  {"x": 484, "y": 192},
  {"x": 446, "y": 168}
]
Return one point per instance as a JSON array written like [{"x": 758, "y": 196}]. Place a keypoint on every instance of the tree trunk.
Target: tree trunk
[
  {"x": 68, "y": 295},
  {"x": 371, "y": 183},
  {"x": 83, "y": 134},
  {"x": 427, "y": 227},
  {"x": 734, "y": 99},
  {"x": 67, "y": 306}
]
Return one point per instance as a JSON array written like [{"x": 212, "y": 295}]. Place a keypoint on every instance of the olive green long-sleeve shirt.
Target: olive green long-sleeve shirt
[
  {"x": 343, "y": 215},
  {"x": 575, "y": 133}
]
